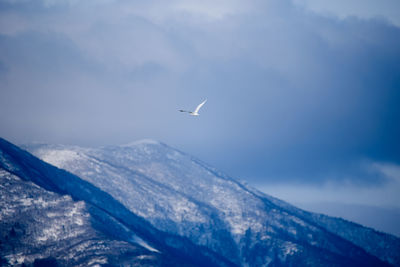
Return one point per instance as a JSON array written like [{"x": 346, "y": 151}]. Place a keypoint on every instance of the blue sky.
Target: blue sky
[{"x": 301, "y": 94}]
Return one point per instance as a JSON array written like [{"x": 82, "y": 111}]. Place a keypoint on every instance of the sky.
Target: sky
[{"x": 302, "y": 95}]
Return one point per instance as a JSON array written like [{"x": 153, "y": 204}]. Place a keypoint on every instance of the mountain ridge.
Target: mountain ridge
[
  {"x": 164, "y": 164},
  {"x": 21, "y": 163},
  {"x": 181, "y": 198}
]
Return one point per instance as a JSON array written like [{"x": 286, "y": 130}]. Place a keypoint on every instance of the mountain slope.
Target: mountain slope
[
  {"x": 111, "y": 217},
  {"x": 37, "y": 224},
  {"x": 182, "y": 196}
]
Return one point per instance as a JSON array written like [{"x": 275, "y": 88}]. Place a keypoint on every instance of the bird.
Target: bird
[{"x": 196, "y": 111}]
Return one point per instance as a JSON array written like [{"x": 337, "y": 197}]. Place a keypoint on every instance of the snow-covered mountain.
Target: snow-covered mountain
[
  {"x": 42, "y": 226},
  {"x": 182, "y": 196},
  {"x": 176, "y": 210},
  {"x": 50, "y": 216}
]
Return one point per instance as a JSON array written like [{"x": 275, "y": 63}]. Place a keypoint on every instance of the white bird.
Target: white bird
[{"x": 196, "y": 111}]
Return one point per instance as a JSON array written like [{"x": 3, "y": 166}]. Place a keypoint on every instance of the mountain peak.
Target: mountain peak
[
  {"x": 162, "y": 193},
  {"x": 142, "y": 142}
]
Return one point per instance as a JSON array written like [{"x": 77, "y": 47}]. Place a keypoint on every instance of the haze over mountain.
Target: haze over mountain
[{"x": 168, "y": 207}]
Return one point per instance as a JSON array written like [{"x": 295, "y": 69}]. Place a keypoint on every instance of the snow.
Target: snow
[
  {"x": 298, "y": 221},
  {"x": 60, "y": 157},
  {"x": 17, "y": 258},
  {"x": 55, "y": 230},
  {"x": 51, "y": 232},
  {"x": 6, "y": 212},
  {"x": 292, "y": 230},
  {"x": 184, "y": 210},
  {"x": 26, "y": 201},
  {"x": 143, "y": 257},
  {"x": 144, "y": 244},
  {"x": 76, "y": 212},
  {"x": 97, "y": 261},
  {"x": 141, "y": 142},
  {"x": 172, "y": 188},
  {"x": 51, "y": 214},
  {"x": 290, "y": 248},
  {"x": 49, "y": 224},
  {"x": 180, "y": 195}
]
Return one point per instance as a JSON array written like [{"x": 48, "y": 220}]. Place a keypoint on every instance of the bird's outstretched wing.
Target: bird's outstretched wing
[
  {"x": 181, "y": 110},
  {"x": 199, "y": 106}
]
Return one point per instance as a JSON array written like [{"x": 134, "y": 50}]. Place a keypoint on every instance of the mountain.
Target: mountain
[
  {"x": 51, "y": 217},
  {"x": 210, "y": 215},
  {"x": 383, "y": 218},
  {"x": 36, "y": 224},
  {"x": 183, "y": 196}
]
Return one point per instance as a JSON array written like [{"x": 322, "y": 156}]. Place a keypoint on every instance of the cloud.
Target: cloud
[
  {"x": 344, "y": 192},
  {"x": 375, "y": 205},
  {"x": 292, "y": 95},
  {"x": 367, "y": 9}
]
